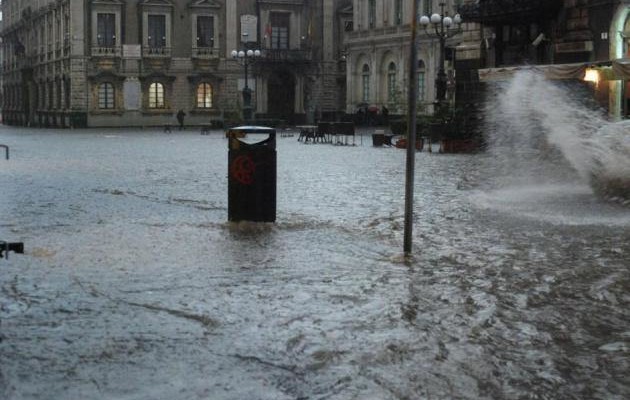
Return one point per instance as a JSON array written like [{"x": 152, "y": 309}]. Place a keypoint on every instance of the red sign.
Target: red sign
[{"x": 242, "y": 169}]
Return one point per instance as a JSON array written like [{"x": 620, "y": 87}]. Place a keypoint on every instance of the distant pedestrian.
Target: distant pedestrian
[
  {"x": 385, "y": 113},
  {"x": 180, "y": 118}
]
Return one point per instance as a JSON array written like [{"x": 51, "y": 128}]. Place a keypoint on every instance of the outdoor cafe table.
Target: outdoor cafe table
[{"x": 307, "y": 132}]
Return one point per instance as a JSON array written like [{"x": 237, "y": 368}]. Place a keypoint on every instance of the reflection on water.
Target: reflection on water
[{"x": 135, "y": 286}]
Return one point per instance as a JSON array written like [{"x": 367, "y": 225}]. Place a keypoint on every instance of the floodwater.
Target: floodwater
[{"x": 135, "y": 286}]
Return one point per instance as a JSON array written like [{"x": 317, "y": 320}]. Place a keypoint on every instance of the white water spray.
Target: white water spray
[{"x": 545, "y": 132}]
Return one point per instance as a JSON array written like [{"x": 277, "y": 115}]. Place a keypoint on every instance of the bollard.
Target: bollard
[
  {"x": 251, "y": 175},
  {"x": 6, "y": 150}
]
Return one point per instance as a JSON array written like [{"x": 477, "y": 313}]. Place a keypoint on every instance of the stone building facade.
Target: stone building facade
[
  {"x": 75, "y": 63},
  {"x": 377, "y": 47},
  {"x": 495, "y": 35}
]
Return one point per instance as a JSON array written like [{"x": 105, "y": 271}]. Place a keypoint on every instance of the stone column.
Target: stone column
[{"x": 232, "y": 25}]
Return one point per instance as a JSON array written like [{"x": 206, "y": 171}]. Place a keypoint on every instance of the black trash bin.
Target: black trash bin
[
  {"x": 378, "y": 138},
  {"x": 251, "y": 174}
]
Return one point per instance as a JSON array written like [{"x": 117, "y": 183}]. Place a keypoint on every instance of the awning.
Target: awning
[{"x": 608, "y": 71}]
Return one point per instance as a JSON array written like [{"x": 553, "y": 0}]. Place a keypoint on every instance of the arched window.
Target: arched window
[
  {"x": 204, "y": 95},
  {"x": 421, "y": 80},
  {"x": 365, "y": 83},
  {"x": 106, "y": 96},
  {"x": 391, "y": 82},
  {"x": 156, "y": 95}
]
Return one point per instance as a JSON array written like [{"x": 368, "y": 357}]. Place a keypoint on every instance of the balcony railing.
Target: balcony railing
[
  {"x": 156, "y": 52},
  {"x": 286, "y": 55},
  {"x": 378, "y": 32},
  {"x": 106, "y": 51},
  {"x": 206, "y": 53}
]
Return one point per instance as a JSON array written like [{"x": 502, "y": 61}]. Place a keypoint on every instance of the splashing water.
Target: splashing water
[{"x": 545, "y": 132}]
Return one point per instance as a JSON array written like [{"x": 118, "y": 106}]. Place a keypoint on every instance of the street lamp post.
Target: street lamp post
[
  {"x": 246, "y": 58},
  {"x": 411, "y": 131},
  {"x": 444, "y": 29}
]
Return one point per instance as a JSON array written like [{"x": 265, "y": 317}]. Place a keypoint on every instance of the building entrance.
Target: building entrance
[{"x": 281, "y": 95}]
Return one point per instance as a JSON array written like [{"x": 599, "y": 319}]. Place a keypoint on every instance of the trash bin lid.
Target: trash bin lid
[
  {"x": 253, "y": 129},
  {"x": 234, "y": 134}
]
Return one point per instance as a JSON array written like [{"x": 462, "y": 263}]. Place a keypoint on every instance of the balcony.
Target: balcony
[
  {"x": 205, "y": 53},
  {"x": 156, "y": 52},
  {"x": 286, "y": 55},
  {"x": 382, "y": 32},
  {"x": 106, "y": 51}
]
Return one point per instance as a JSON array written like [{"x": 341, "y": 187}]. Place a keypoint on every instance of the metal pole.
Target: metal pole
[
  {"x": 441, "y": 77},
  {"x": 245, "y": 63},
  {"x": 411, "y": 131},
  {"x": 247, "y": 97}
]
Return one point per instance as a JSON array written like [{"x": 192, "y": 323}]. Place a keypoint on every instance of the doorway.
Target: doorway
[{"x": 281, "y": 95}]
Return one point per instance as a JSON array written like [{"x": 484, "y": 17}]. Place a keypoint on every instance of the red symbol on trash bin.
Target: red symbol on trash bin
[{"x": 242, "y": 169}]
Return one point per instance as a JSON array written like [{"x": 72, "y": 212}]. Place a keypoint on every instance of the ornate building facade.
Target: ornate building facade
[
  {"x": 377, "y": 49},
  {"x": 496, "y": 35},
  {"x": 75, "y": 63},
  {"x": 136, "y": 63}
]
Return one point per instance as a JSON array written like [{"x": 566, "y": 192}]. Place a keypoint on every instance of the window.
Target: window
[
  {"x": 106, "y": 96},
  {"x": 58, "y": 28},
  {"x": 398, "y": 12},
  {"x": 205, "y": 31},
  {"x": 365, "y": 81},
  {"x": 50, "y": 34},
  {"x": 280, "y": 30},
  {"x": 157, "y": 31},
  {"x": 42, "y": 93},
  {"x": 156, "y": 95},
  {"x": 106, "y": 29},
  {"x": 426, "y": 9},
  {"x": 50, "y": 96},
  {"x": 66, "y": 93},
  {"x": 421, "y": 80},
  {"x": 391, "y": 82},
  {"x": 66, "y": 29},
  {"x": 204, "y": 95},
  {"x": 42, "y": 41},
  {"x": 371, "y": 13},
  {"x": 58, "y": 104}
]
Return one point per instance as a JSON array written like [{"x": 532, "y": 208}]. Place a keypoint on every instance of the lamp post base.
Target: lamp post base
[{"x": 247, "y": 104}]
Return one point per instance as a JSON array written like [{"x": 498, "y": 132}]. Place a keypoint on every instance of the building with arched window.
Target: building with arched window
[
  {"x": 135, "y": 63},
  {"x": 377, "y": 49},
  {"x": 496, "y": 34}
]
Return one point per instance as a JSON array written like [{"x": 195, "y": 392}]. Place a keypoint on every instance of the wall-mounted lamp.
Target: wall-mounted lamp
[{"x": 591, "y": 75}]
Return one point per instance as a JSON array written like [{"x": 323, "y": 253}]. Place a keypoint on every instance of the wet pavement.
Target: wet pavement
[{"x": 135, "y": 286}]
